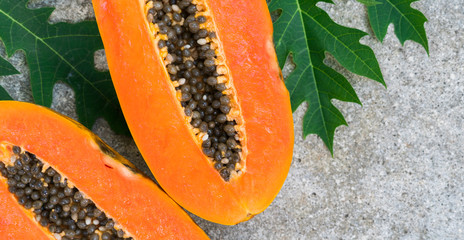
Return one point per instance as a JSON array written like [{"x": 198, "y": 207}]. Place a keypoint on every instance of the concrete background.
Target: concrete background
[{"x": 398, "y": 169}]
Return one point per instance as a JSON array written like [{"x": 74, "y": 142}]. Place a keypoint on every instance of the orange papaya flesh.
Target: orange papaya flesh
[
  {"x": 82, "y": 181},
  {"x": 149, "y": 76}
]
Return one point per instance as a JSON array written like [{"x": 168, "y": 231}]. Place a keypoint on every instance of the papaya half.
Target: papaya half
[
  {"x": 202, "y": 93},
  {"x": 60, "y": 181}
]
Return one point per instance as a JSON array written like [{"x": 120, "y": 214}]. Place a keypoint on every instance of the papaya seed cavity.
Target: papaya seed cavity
[
  {"x": 191, "y": 57},
  {"x": 54, "y": 202}
]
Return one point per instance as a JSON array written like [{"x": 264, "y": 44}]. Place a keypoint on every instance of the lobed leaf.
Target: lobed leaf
[{"x": 306, "y": 32}]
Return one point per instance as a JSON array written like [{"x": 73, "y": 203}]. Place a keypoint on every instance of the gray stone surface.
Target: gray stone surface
[{"x": 398, "y": 169}]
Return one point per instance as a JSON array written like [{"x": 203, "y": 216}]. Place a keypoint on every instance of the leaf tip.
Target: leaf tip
[
  {"x": 426, "y": 47},
  {"x": 380, "y": 79},
  {"x": 329, "y": 145},
  {"x": 4, "y": 95}
]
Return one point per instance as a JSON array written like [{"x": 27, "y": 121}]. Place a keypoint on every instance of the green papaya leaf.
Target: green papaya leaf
[{"x": 307, "y": 32}]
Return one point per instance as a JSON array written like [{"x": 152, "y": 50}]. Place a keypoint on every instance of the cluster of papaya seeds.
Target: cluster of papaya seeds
[
  {"x": 202, "y": 93},
  {"x": 60, "y": 181}
]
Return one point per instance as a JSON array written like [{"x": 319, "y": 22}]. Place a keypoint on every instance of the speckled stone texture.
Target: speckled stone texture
[{"x": 398, "y": 169}]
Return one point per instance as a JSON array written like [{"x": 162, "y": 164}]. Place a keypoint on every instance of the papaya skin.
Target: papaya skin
[
  {"x": 156, "y": 119},
  {"x": 133, "y": 201}
]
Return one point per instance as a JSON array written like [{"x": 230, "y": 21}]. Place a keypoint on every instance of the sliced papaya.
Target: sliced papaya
[
  {"x": 203, "y": 96},
  {"x": 60, "y": 181}
]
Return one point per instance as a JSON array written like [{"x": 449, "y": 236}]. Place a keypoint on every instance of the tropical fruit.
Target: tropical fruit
[
  {"x": 60, "y": 181},
  {"x": 202, "y": 93}
]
